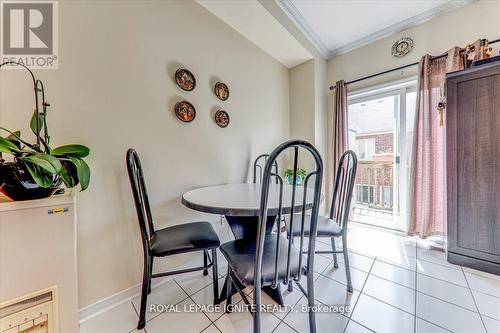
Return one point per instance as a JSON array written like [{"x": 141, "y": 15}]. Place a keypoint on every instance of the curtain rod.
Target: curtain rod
[{"x": 401, "y": 67}]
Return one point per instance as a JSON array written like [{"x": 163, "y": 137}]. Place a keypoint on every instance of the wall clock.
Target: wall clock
[{"x": 402, "y": 47}]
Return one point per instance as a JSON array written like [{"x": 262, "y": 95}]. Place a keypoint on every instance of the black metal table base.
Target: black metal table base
[{"x": 246, "y": 227}]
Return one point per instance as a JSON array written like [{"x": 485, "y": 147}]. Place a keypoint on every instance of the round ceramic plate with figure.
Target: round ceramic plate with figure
[
  {"x": 221, "y": 91},
  {"x": 402, "y": 47},
  {"x": 221, "y": 118},
  {"x": 185, "y": 79},
  {"x": 185, "y": 111}
]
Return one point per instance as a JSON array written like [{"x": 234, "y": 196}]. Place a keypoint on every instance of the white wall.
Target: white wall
[
  {"x": 114, "y": 90},
  {"x": 302, "y": 101},
  {"x": 480, "y": 19},
  {"x": 308, "y": 110}
]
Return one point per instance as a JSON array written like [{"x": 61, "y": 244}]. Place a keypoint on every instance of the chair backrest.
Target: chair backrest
[
  {"x": 342, "y": 191},
  {"x": 140, "y": 196},
  {"x": 315, "y": 193},
  {"x": 258, "y": 167}
]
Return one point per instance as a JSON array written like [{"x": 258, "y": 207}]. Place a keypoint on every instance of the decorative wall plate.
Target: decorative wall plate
[
  {"x": 185, "y": 111},
  {"x": 221, "y": 91},
  {"x": 221, "y": 118},
  {"x": 185, "y": 79},
  {"x": 402, "y": 47}
]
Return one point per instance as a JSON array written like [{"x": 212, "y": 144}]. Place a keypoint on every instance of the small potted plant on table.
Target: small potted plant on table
[{"x": 301, "y": 175}]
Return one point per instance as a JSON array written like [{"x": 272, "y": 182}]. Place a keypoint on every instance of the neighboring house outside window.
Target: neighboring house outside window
[{"x": 374, "y": 179}]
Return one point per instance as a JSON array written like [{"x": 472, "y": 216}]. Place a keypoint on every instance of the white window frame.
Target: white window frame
[
  {"x": 401, "y": 88},
  {"x": 372, "y": 187}
]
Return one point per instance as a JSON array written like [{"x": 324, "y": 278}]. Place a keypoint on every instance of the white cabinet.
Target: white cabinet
[{"x": 37, "y": 254}]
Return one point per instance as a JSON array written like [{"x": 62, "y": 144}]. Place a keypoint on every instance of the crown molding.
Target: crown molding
[
  {"x": 401, "y": 26},
  {"x": 289, "y": 8},
  {"x": 293, "y": 13}
]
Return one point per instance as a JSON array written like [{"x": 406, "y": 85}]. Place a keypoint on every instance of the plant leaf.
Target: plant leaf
[
  {"x": 18, "y": 137},
  {"x": 33, "y": 122},
  {"x": 47, "y": 162},
  {"x": 71, "y": 150},
  {"x": 83, "y": 172},
  {"x": 14, "y": 138},
  {"x": 43, "y": 179},
  {"x": 69, "y": 174},
  {"x": 6, "y": 146}
]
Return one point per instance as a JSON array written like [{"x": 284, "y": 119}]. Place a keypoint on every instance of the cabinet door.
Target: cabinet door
[{"x": 473, "y": 163}]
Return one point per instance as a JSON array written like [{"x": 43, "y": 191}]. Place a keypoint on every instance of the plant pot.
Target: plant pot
[
  {"x": 17, "y": 184},
  {"x": 298, "y": 181}
]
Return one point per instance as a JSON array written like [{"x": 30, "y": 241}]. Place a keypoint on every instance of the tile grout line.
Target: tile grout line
[
  {"x": 416, "y": 293},
  {"x": 286, "y": 315},
  {"x": 444, "y": 328},
  {"x": 456, "y": 284},
  {"x": 448, "y": 302},
  {"x": 436, "y": 263},
  {"x": 483, "y": 293},
  {"x": 385, "y": 279},
  {"x": 474, "y": 299},
  {"x": 297, "y": 302},
  {"x": 192, "y": 300},
  {"x": 282, "y": 320},
  {"x": 360, "y": 293}
]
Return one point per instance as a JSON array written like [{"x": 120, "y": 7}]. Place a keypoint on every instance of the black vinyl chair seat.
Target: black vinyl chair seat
[
  {"x": 326, "y": 226},
  {"x": 189, "y": 237},
  {"x": 240, "y": 254},
  {"x": 183, "y": 238},
  {"x": 272, "y": 259}
]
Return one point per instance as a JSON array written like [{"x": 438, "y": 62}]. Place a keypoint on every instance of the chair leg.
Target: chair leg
[
  {"x": 150, "y": 273},
  {"x": 310, "y": 301},
  {"x": 346, "y": 264},
  {"x": 144, "y": 294},
  {"x": 335, "y": 263},
  {"x": 290, "y": 286},
  {"x": 205, "y": 262},
  {"x": 215, "y": 276},
  {"x": 257, "y": 314},
  {"x": 228, "y": 290}
]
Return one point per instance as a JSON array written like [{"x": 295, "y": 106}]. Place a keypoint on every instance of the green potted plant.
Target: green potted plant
[
  {"x": 301, "y": 175},
  {"x": 37, "y": 170}
]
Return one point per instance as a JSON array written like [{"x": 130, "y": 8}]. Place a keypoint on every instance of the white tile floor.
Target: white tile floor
[{"x": 399, "y": 286}]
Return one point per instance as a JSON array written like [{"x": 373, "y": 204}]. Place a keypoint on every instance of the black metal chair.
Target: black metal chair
[
  {"x": 273, "y": 258},
  {"x": 257, "y": 166},
  {"x": 190, "y": 237},
  {"x": 335, "y": 225}
]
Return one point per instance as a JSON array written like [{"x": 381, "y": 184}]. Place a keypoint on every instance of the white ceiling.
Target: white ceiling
[
  {"x": 338, "y": 26},
  {"x": 255, "y": 23}
]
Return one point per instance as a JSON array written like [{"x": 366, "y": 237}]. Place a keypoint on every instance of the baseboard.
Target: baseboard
[
  {"x": 112, "y": 301},
  {"x": 105, "y": 304}
]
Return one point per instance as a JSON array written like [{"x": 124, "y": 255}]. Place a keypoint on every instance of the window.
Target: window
[
  {"x": 380, "y": 131},
  {"x": 365, "y": 148},
  {"x": 386, "y": 196},
  {"x": 365, "y": 194}
]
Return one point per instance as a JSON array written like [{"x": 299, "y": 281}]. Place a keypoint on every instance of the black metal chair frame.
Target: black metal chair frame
[
  {"x": 340, "y": 208},
  {"x": 147, "y": 231},
  {"x": 257, "y": 166},
  {"x": 261, "y": 234}
]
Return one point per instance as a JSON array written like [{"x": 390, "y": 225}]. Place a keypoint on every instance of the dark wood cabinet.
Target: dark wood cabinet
[{"x": 473, "y": 167}]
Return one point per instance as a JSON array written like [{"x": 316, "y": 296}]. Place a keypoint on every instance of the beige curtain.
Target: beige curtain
[
  {"x": 339, "y": 135},
  {"x": 427, "y": 194}
]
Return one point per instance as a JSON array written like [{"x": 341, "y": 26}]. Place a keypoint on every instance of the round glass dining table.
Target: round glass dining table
[{"x": 240, "y": 204}]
